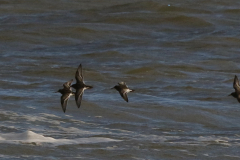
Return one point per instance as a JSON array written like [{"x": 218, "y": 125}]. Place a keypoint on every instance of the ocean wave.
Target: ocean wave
[{"x": 38, "y": 139}]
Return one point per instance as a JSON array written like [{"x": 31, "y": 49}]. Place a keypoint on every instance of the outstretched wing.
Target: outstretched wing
[
  {"x": 124, "y": 96},
  {"x": 64, "y": 101},
  {"x": 236, "y": 84},
  {"x": 122, "y": 84},
  {"x": 78, "y": 96},
  {"x": 79, "y": 75},
  {"x": 67, "y": 85}
]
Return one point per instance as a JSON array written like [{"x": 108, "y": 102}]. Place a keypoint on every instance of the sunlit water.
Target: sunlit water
[{"x": 179, "y": 57}]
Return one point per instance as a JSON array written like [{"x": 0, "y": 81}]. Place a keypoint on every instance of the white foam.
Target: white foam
[
  {"x": 30, "y": 107},
  {"x": 193, "y": 141},
  {"x": 27, "y": 136},
  {"x": 49, "y": 115},
  {"x": 34, "y": 118},
  {"x": 31, "y": 137}
]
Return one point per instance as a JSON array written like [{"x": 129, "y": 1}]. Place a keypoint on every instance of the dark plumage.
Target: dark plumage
[
  {"x": 123, "y": 89},
  {"x": 66, "y": 94},
  {"x": 80, "y": 86},
  {"x": 236, "y": 86}
]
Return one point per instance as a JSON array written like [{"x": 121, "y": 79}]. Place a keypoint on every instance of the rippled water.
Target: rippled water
[{"x": 180, "y": 57}]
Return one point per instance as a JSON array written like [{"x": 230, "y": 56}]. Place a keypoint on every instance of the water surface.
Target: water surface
[{"x": 180, "y": 57}]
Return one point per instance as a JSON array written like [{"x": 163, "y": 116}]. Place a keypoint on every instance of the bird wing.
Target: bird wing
[
  {"x": 122, "y": 84},
  {"x": 78, "y": 96},
  {"x": 124, "y": 96},
  {"x": 79, "y": 75},
  {"x": 64, "y": 101},
  {"x": 238, "y": 98},
  {"x": 67, "y": 85},
  {"x": 236, "y": 85}
]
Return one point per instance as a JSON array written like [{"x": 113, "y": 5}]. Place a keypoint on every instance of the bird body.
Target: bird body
[
  {"x": 66, "y": 94},
  {"x": 80, "y": 86},
  {"x": 123, "y": 89}
]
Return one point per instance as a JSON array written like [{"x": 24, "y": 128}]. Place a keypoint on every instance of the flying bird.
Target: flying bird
[
  {"x": 123, "y": 89},
  {"x": 236, "y": 86},
  {"x": 80, "y": 86},
  {"x": 66, "y": 94}
]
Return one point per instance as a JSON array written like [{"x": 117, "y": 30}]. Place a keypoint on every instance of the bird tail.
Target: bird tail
[{"x": 132, "y": 90}]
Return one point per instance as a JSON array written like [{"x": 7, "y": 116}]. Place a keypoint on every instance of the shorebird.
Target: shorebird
[
  {"x": 236, "y": 86},
  {"x": 123, "y": 89},
  {"x": 66, "y": 94},
  {"x": 80, "y": 86}
]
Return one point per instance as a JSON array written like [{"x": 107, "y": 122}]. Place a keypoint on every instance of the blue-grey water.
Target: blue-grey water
[{"x": 180, "y": 57}]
